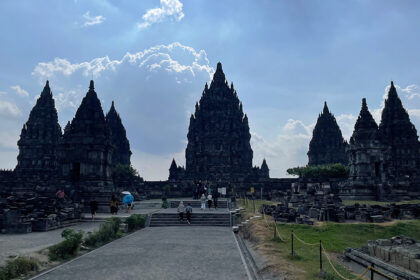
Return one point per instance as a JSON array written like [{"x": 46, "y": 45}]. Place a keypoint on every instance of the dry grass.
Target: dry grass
[{"x": 276, "y": 263}]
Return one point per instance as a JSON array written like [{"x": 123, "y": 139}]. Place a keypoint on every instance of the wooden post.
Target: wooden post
[
  {"x": 372, "y": 272},
  {"x": 291, "y": 238},
  {"x": 275, "y": 230},
  {"x": 320, "y": 256}
]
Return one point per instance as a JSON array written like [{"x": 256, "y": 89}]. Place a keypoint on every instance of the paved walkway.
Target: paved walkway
[{"x": 161, "y": 253}]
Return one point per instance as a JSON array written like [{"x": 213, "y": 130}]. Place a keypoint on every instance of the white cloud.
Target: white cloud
[
  {"x": 171, "y": 9},
  {"x": 346, "y": 123},
  {"x": 411, "y": 91},
  {"x": 9, "y": 109},
  {"x": 3, "y": 93},
  {"x": 153, "y": 88},
  {"x": 20, "y": 90},
  {"x": 92, "y": 20}
]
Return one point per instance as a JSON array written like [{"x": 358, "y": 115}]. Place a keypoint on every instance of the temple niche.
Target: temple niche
[
  {"x": 85, "y": 152},
  {"x": 37, "y": 159},
  {"x": 219, "y": 146},
  {"x": 327, "y": 145},
  {"x": 122, "y": 152}
]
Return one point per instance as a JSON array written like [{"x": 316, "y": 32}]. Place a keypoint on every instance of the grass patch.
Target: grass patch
[
  {"x": 382, "y": 203},
  {"x": 18, "y": 267},
  {"x": 335, "y": 238},
  {"x": 108, "y": 231},
  {"x": 67, "y": 248},
  {"x": 135, "y": 222}
]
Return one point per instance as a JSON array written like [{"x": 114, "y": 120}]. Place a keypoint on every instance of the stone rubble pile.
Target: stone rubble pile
[
  {"x": 306, "y": 208},
  {"x": 27, "y": 212},
  {"x": 399, "y": 250}
]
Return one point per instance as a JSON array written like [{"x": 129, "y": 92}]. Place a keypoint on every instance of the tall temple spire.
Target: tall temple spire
[
  {"x": 397, "y": 131},
  {"x": 91, "y": 85},
  {"x": 218, "y": 135},
  {"x": 40, "y": 135},
  {"x": 365, "y": 129},
  {"x": 122, "y": 152},
  {"x": 327, "y": 145}
]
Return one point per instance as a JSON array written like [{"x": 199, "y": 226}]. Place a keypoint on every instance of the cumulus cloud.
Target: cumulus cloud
[
  {"x": 20, "y": 91},
  {"x": 92, "y": 20},
  {"x": 9, "y": 109},
  {"x": 169, "y": 9},
  {"x": 412, "y": 91},
  {"x": 153, "y": 91}
]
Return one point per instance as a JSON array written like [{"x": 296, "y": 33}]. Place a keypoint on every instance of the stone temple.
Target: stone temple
[
  {"x": 384, "y": 160},
  {"x": 219, "y": 146},
  {"x": 327, "y": 145}
]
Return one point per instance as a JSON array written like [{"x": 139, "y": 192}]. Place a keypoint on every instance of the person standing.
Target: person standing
[
  {"x": 181, "y": 209},
  {"x": 188, "y": 210},
  {"x": 215, "y": 198},
  {"x": 209, "y": 199},
  {"x": 203, "y": 202},
  {"x": 93, "y": 207},
  {"x": 114, "y": 205}
]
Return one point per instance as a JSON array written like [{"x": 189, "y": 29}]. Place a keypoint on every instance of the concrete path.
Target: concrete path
[
  {"x": 161, "y": 253},
  {"x": 22, "y": 244}
]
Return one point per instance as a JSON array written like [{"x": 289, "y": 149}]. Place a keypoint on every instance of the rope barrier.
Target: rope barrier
[
  {"x": 306, "y": 243},
  {"x": 359, "y": 276},
  {"x": 337, "y": 272}
]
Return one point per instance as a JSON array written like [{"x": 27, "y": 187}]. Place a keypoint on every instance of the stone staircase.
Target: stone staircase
[
  {"x": 145, "y": 204},
  {"x": 222, "y": 203},
  {"x": 197, "y": 219}
]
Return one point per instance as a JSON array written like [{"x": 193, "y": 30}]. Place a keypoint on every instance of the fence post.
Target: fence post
[
  {"x": 320, "y": 256},
  {"x": 275, "y": 230},
  {"x": 372, "y": 272},
  {"x": 291, "y": 238},
  {"x": 253, "y": 202}
]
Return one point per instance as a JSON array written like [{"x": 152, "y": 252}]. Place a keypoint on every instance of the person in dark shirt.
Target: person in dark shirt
[{"x": 188, "y": 210}]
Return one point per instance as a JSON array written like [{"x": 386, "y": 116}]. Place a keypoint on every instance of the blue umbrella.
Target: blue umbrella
[{"x": 128, "y": 199}]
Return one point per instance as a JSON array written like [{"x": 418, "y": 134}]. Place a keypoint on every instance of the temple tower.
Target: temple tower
[
  {"x": 85, "y": 151},
  {"x": 327, "y": 145},
  {"x": 122, "y": 152},
  {"x": 218, "y": 136},
  {"x": 397, "y": 131},
  {"x": 37, "y": 159}
]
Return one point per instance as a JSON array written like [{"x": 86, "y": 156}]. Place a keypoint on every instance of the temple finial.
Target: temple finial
[
  {"x": 91, "y": 85},
  {"x": 325, "y": 110}
]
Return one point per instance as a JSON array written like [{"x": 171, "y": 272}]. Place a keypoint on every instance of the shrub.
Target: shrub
[
  {"x": 327, "y": 171},
  {"x": 107, "y": 232},
  {"x": 165, "y": 204},
  {"x": 135, "y": 221},
  {"x": 18, "y": 267},
  {"x": 67, "y": 248}
]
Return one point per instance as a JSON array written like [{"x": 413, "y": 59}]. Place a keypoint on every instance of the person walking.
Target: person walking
[
  {"x": 128, "y": 201},
  {"x": 93, "y": 208},
  {"x": 203, "y": 202},
  {"x": 209, "y": 199},
  {"x": 181, "y": 209},
  {"x": 114, "y": 205},
  {"x": 189, "y": 210}
]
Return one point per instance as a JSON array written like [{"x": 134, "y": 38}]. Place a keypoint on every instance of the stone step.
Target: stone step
[
  {"x": 186, "y": 224},
  {"x": 197, "y": 203},
  {"x": 147, "y": 204},
  {"x": 202, "y": 219}
]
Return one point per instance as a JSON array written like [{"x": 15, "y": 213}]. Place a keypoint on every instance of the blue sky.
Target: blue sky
[{"x": 154, "y": 57}]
